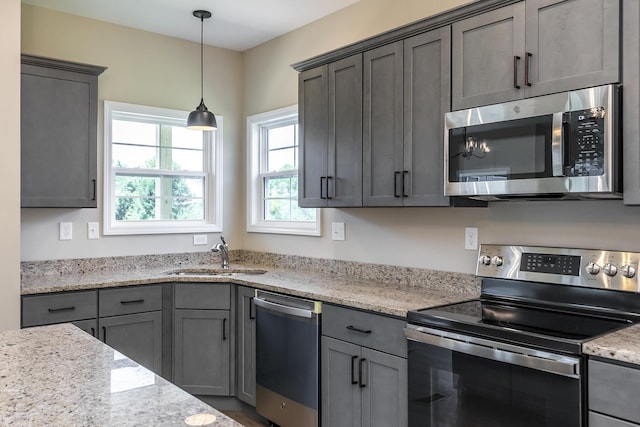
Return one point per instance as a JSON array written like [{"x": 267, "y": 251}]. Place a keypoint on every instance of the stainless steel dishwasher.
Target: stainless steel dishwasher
[{"x": 287, "y": 359}]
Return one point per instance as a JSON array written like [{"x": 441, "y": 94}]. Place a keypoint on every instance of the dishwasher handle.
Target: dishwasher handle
[
  {"x": 492, "y": 350},
  {"x": 284, "y": 309}
]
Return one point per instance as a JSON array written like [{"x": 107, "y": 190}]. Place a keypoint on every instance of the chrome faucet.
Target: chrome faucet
[{"x": 223, "y": 248}]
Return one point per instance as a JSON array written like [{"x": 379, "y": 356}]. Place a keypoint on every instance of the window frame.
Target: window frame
[
  {"x": 256, "y": 223},
  {"x": 212, "y": 152}
]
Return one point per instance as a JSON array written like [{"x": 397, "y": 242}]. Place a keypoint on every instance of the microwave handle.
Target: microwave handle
[{"x": 558, "y": 140}]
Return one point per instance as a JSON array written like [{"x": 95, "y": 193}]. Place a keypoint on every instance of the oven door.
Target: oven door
[{"x": 462, "y": 381}]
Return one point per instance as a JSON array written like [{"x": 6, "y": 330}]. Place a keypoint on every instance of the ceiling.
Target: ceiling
[{"x": 236, "y": 24}]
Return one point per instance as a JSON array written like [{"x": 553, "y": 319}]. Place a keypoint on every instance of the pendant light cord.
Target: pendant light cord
[{"x": 201, "y": 56}]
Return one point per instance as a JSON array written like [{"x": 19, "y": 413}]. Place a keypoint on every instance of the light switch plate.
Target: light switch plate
[
  {"x": 66, "y": 231},
  {"x": 337, "y": 230},
  {"x": 92, "y": 230},
  {"x": 471, "y": 238},
  {"x": 199, "y": 239}
]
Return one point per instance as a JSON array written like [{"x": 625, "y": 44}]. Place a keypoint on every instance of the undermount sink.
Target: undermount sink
[{"x": 214, "y": 271}]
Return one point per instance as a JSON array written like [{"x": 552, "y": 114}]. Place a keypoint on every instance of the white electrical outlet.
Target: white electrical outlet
[
  {"x": 337, "y": 230},
  {"x": 199, "y": 239},
  {"x": 471, "y": 238},
  {"x": 66, "y": 231},
  {"x": 92, "y": 230}
]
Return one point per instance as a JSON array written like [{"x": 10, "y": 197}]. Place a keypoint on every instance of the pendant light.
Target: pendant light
[{"x": 201, "y": 118}]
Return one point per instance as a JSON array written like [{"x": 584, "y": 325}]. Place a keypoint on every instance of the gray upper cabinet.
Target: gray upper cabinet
[
  {"x": 631, "y": 101},
  {"x": 534, "y": 48},
  {"x": 59, "y": 118},
  {"x": 330, "y": 116},
  {"x": 383, "y": 126},
  {"x": 407, "y": 87}
]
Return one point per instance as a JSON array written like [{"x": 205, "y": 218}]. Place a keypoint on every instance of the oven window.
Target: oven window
[
  {"x": 515, "y": 149},
  {"x": 451, "y": 389}
]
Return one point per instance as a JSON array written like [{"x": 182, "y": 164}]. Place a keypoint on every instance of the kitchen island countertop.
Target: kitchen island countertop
[{"x": 60, "y": 376}]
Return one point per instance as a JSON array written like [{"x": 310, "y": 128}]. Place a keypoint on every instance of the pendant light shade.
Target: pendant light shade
[{"x": 201, "y": 118}]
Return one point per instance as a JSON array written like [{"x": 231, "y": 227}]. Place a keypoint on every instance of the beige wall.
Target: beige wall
[
  {"x": 422, "y": 237},
  {"x": 10, "y": 163},
  {"x": 143, "y": 68}
]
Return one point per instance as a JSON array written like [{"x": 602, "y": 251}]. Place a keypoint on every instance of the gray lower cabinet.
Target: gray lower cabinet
[
  {"x": 363, "y": 369},
  {"x": 202, "y": 338},
  {"x": 246, "y": 343},
  {"x": 330, "y": 117},
  {"x": 534, "y": 47},
  {"x": 406, "y": 94},
  {"x": 79, "y": 308},
  {"x": 59, "y": 105},
  {"x": 130, "y": 321},
  {"x": 612, "y": 399}
]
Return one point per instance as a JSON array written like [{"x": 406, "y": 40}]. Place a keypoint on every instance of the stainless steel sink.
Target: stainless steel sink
[{"x": 214, "y": 271}]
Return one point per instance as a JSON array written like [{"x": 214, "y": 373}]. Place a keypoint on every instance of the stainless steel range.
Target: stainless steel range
[{"x": 513, "y": 357}]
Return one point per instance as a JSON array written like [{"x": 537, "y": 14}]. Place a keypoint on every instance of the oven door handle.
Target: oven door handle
[
  {"x": 284, "y": 309},
  {"x": 501, "y": 352}
]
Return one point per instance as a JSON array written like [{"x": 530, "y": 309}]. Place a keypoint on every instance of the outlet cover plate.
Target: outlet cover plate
[
  {"x": 66, "y": 231},
  {"x": 200, "y": 239},
  {"x": 471, "y": 238}
]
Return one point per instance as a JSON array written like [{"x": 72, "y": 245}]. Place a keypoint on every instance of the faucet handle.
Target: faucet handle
[{"x": 223, "y": 241}]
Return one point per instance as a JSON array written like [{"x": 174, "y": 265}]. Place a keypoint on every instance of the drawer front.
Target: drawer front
[
  {"x": 599, "y": 420},
  {"x": 613, "y": 390},
  {"x": 59, "y": 308},
  {"x": 366, "y": 329},
  {"x": 202, "y": 296},
  {"x": 135, "y": 299}
]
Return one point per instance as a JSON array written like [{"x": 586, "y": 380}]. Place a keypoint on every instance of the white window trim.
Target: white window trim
[
  {"x": 213, "y": 208},
  {"x": 255, "y": 217}
]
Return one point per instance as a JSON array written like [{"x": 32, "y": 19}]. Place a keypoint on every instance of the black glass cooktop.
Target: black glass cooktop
[{"x": 550, "y": 328}]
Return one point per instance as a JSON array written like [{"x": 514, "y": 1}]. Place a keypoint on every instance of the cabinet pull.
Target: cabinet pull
[
  {"x": 322, "y": 187},
  {"x": 95, "y": 189},
  {"x": 93, "y": 332},
  {"x": 56, "y": 310},
  {"x": 362, "y": 331},
  {"x": 395, "y": 184},
  {"x": 224, "y": 329},
  {"x": 132, "y": 301},
  {"x": 252, "y": 316},
  {"x": 516, "y": 59},
  {"x": 527, "y": 65},
  {"x": 404, "y": 180},
  {"x": 353, "y": 370},
  {"x": 360, "y": 376},
  {"x": 104, "y": 334},
  {"x": 330, "y": 178}
]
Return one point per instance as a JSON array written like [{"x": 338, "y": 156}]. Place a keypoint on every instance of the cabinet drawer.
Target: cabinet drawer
[
  {"x": 366, "y": 329},
  {"x": 59, "y": 308},
  {"x": 612, "y": 390},
  {"x": 203, "y": 296},
  {"x": 136, "y": 299}
]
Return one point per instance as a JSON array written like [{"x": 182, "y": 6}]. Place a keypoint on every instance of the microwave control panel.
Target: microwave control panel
[{"x": 584, "y": 155}]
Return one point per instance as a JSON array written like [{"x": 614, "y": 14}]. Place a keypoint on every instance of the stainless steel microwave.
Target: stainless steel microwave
[{"x": 564, "y": 145}]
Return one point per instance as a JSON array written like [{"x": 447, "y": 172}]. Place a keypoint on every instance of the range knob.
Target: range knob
[
  {"x": 497, "y": 261},
  {"x": 593, "y": 268},
  {"x": 628, "y": 271},
  {"x": 610, "y": 269},
  {"x": 484, "y": 260}
]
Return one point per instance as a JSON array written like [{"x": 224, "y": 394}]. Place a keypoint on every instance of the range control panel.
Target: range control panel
[{"x": 579, "y": 267}]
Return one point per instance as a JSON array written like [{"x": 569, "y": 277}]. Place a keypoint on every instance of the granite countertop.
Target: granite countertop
[
  {"x": 389, "y": 297},
  {"x": 622, "y": 345},
  {"x": 60, "y": 376}
]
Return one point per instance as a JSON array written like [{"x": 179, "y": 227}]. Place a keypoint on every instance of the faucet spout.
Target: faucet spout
[{"x": 223, "y": 248}]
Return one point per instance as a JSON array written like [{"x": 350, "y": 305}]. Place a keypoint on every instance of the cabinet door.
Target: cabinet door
[
  {"x": 573, "y": 44},
  {"x": 631, "y": 101},
  {"x": 246, "y": 339},
  {"x": 202, "y": 351},
  {"x": 137, "y": 336},
  {"x": 58, "y": 133},
  {"x": 426, "y": 99},
  {"x": 488, "y": 63},
  {"x": 384, "y": 395},
  {"x": 345, "y": 133},
  {"x": 312, "y": 118},
  {"x": 341, "y": 396},
  {"x": 383, "y": 126},
  {"x": 89, "y": 326}
]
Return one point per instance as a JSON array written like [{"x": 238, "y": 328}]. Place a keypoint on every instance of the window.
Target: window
[
  {"x": 159, "y": 176},
  {"x": 272, "y": 176}
]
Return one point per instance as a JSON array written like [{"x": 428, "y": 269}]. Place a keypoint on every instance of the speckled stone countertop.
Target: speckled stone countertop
[
  {"x": 622, "y": 345},
  {"x": 386, "y": 289},
  {"x": 60, "y": 376}
]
